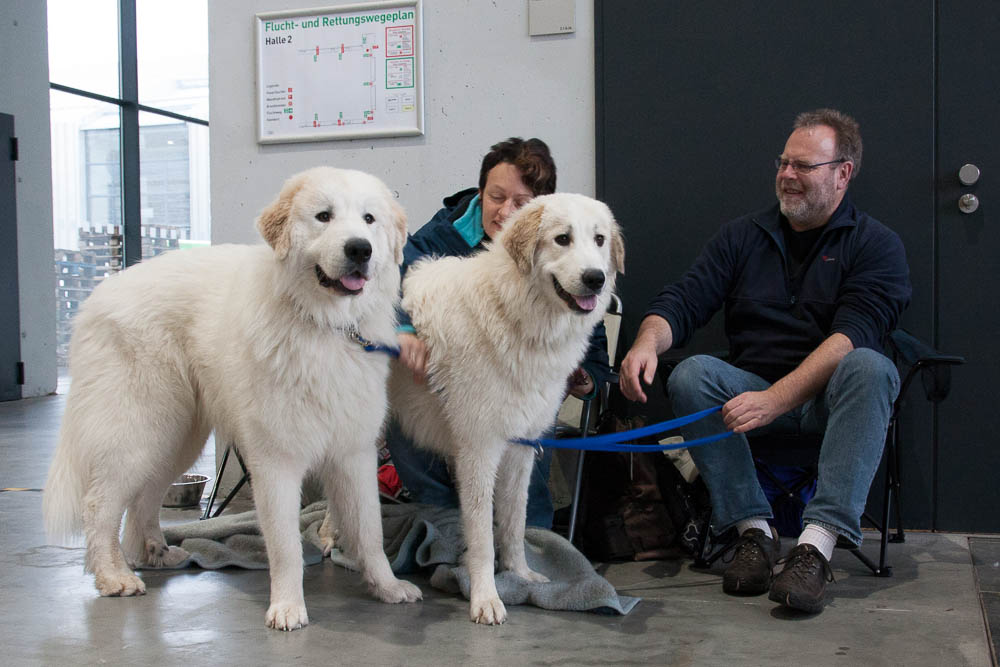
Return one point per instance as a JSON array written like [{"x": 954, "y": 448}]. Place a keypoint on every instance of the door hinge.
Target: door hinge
[
  {"x": 13, "y": 148},
  {"x": 20, "y": 372}
]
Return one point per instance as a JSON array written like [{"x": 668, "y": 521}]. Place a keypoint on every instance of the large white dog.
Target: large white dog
[
  {"x": 259, "y": 344},
  {"x": 505, "y": 328}
]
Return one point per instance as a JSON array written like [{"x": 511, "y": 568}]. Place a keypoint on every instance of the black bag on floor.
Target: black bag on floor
[{"x": 637, "y": 506}]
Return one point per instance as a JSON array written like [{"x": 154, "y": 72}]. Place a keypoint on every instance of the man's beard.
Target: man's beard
[{"x": 806, "y": 207}]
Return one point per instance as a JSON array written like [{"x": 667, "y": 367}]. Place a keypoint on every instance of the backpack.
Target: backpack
[{"x": 637, "y": 506}]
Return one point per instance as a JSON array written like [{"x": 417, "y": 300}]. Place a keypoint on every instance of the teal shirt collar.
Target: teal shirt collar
[{"x": 470, "y": 225}]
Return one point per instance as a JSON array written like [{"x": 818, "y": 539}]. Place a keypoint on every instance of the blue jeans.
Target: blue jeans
[
  {"x": 851, "y": 413},
  {"x": 428, "y": 480}
]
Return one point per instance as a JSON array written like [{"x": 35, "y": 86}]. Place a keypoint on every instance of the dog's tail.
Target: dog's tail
[{"x": 62, "y": 499}]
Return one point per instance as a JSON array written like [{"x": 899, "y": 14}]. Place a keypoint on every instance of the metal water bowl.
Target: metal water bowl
[{"x": 186, "y": 491}]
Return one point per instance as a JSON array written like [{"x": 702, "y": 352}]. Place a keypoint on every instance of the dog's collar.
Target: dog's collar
[{"x": 355, "y": 336}]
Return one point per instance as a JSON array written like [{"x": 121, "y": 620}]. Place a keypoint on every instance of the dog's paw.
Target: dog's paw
[
  {"x": 488, "y": 612},
  {"x": 282, "y": 616},
  {"x": 161, "y": 555},
  {"x": 328, "y": 544},
  {"x": 530, "y": 575},
  {"x": 175, "y": 556},
  {"x": 328, "y": 534},
  {"x": 396, "y": 591},
  {"x": 119, "y": 584}
]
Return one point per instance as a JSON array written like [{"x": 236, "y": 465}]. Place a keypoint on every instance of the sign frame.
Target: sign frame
[{"x": 410, "y": 68}]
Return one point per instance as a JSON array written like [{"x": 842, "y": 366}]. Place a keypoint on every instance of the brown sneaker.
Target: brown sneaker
[
  {"x": 751, "y": 558},
  {"x": 802, "y": 582}
]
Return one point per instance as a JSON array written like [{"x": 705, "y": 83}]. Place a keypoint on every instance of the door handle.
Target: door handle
[
  {"x": 968, "y": 174},
  {"x": 968, "y": 203}
]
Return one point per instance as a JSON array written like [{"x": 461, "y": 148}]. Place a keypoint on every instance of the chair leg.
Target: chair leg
[
  {"x": 218, "y": 478},
  {"x": 215, "y": 485},
  {"x": 894, "y": 459},
  {"x": 700, "y": 559},
  {"x": 578, "y": 482},
  {"x": 576, "y": 495},
  {"x": 876, "y": 570},
  {"x": 881, "y": 569},
  {"x": 711, "y": 548}
]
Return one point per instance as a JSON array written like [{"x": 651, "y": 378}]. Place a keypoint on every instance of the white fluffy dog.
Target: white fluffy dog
[
  {"x": 505, "y": 328},
  {"x": 259, "y": 344}
]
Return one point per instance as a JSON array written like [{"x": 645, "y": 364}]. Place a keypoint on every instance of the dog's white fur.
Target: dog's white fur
[
  {"x": 245, "y": 340},
  {"x": 502, "y": 344}
]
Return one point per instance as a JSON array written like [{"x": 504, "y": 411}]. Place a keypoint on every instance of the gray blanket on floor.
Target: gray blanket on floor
[{"x": 417, "y": 538}]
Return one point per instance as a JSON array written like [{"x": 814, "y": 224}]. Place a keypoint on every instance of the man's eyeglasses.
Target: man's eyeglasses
[{"x": 801, "y": 167}]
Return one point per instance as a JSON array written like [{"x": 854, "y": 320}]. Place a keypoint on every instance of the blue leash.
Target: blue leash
[
  {"x": 613, "y": 442},
  {"x": 369, "y": 346}
]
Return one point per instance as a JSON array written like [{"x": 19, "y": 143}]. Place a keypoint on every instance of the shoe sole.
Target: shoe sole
[{"x": 795, "y": 602}]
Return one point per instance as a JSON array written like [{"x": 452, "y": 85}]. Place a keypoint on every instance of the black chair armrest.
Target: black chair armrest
[
  {"x": 934, "y": 367},
  {"x": 913, "y": 351}
]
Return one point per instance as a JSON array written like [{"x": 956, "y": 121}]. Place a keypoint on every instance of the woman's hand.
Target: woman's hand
[
  {"x": 580, "y": 383},
  {"x": 413, "y": 353}
]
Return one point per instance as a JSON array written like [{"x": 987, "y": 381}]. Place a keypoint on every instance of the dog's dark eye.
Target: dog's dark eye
[
  {"x": 324, "y": 216},
  {"x": 599, "y": 240},
  {"x": 369, "y": 218},
  {"x": 562, "y": 239}
]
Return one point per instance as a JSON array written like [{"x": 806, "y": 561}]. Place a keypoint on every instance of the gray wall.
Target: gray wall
[
  {"x": 24, "y": 93},
  {"x": 485, "y": 80}
]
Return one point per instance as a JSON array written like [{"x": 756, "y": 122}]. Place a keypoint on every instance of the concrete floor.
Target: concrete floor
[{"x": 929, "y": 613}]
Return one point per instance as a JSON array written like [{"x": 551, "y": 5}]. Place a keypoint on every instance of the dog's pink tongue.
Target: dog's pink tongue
[
  {"x": 586, "y": 302},
  {"x": 353, "y": 281}
]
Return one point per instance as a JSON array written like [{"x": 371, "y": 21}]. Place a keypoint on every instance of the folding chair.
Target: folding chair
[
  {"x": 588, "y": 410},
  {"x": 911, "y": 356},
  {"x": 218, "y": 478}
]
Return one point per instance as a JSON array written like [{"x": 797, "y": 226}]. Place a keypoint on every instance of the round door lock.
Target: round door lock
[
  {"x": 968, "y": 174},
  {"x": 968, "y": 203}
]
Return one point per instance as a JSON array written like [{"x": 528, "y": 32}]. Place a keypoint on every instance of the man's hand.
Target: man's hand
[
  {"x": 654, "y": 338},
  {"x": 580, "y": 383},
  {"x": 640, "y": 362},
  {"x": 413, "y": 353},
  {"x": 752, "y": 409}
]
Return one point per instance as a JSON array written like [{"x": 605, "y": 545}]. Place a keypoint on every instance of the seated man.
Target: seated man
[
  {"x": 512, "y": 173},
  {"x": 811, "y": 288}
]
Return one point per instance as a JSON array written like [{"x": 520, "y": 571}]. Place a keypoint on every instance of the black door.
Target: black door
[
  {"x": 694, "y": 100},
  {"x": 968, "y": 269},
  {"x": 10, "y": 323}
]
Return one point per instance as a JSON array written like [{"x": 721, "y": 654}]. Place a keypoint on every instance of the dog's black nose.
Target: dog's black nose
[
  {"x": 359, "y": 251},
  {"x": 593, "y": 278}
]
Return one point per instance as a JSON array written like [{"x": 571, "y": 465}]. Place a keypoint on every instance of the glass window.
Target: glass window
[
  {"x": 86, "y": 202},
  {"x": 173, "y": 183},
  {"x": 88, "y": 182},
  {"x": 103, "y": 176},
  {"x": 83, "y": 45},
  {"x": 87, "y": 177},
  {"x": 172, "y": 42}
]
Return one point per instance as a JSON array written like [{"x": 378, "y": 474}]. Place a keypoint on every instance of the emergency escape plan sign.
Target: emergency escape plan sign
[{"x": 340, "y": 72}]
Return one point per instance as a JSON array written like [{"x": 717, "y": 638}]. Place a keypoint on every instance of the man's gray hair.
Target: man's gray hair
[{"x": 846, "y": 128}]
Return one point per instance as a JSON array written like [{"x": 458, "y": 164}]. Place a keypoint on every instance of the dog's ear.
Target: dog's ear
[
  {"x": 521, "y": 239},
  {"x": 399, "y": 224},
  {"x": 617, "y": 248},
  {"x": 273, "y": 223}
]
